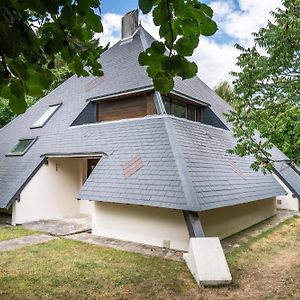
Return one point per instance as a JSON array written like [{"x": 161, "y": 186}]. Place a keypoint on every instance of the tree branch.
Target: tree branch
[{"x": 170, "y": 26}]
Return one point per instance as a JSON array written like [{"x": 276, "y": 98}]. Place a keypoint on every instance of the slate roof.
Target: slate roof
[
  {"x": 289, "y": 174},
  {"x": 186, "y": 166},
  {"x": 161, "y": 163}
]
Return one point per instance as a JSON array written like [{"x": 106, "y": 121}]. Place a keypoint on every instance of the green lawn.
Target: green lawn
[
  {"x": 12, "y": 232},
  {"x": 267, "y": 267}
]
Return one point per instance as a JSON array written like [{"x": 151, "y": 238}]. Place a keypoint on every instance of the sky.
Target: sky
[{"x": 215, "y": 55}]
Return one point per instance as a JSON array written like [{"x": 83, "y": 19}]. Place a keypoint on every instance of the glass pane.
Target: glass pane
[
  {"x": 167, "y": 104},
  {"x": 46, "y": 116},
  {"x": 178, "y": 109},
  {"x": 22, "y": 146},
  {"x": 191, "y": 113}
]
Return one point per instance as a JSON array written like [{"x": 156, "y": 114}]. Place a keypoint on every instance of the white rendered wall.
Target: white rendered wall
[
  {"x": 51, "y": 192},
  {"x": 225, "y": 221},
  {"x": 287, "y": 201},
  {"x": 149, "y": 225}
]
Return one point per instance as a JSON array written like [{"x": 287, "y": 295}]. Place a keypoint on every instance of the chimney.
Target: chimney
[{"x": 130, "y": 23}]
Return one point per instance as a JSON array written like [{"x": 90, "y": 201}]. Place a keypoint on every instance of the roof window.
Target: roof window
[
  {"x": 46, "y": 116},
  {"x": 21, "y": 147}
]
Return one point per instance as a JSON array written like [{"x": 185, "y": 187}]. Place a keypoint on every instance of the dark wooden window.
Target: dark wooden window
[
  {"x": 182, "y": 109},
  {"x": 125, "y": 108}
]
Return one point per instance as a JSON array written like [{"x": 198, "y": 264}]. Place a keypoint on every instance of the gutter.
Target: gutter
[
  {"x": 74, "y": 154},
  {"x": 147, "y": 88}
]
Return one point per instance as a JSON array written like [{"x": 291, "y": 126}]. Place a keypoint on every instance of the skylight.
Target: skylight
[
  {"x": 46, "y": 116},
  {"x": 22, "y": 147}
]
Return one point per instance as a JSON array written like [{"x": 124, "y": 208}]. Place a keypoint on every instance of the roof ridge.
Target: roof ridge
[
  {"x": 186, "y": 181},
  {"x": 143, "y": 39}
]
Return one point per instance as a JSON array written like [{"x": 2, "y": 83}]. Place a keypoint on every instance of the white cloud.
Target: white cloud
[
  {"x": 240, "y": 24},
  {"x": 148, "y": 24},
  {"x": 111, "y": 29},
  {"x": 215, "y": 60}
]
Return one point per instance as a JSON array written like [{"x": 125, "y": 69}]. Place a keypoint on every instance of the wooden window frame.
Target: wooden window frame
[{"x": 150, "y": 107}]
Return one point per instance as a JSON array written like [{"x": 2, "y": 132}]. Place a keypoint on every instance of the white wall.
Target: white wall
[
  {"x": 51, "y": 192},
  {"x": 149, "y": 225},
  {"x": 223, "y": 222},
  {"x": 287, "y": 201}
]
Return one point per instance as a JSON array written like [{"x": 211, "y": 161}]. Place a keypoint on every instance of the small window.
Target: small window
[
  {"x": 22, "y": 147},
  {"x": 182, "y": 109},
  {"x": 178, "y": 109},
  {"x": 46, "y": 116},
  {"x": 167, "y": 103},
  {"x": 191, "y": 113}
]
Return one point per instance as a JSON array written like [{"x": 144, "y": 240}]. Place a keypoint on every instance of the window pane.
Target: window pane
[
  {"x": 22, "y": 146},
  {"x": 191, "y": 113},
  {"x": 46, "y": 116},
  {"x": 167, "y": 104},
  {"x": 178, "y": 109}
]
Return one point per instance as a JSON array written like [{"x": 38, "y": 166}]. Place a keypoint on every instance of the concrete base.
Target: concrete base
[{"x": 207, "y": 262}]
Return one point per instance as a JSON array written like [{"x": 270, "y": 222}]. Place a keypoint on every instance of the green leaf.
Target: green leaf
[
  {"x": 53, "y": 46},
  {"x": 189, "y": 70},
  {"x": 144, "y": 58},
  {"x": 145, "y": 6},
  {"x": 18, "y": 68},
  {"x": 17, "y": 89},
  {"x": 163, "y": 83},
  {"x": 17, "y": 105},
  {"x": 208, "y": 28},
  {"x": 94, "y": 22},
  {"x": 206, "y": 9},
  {"x": 5, "y": 92},
  {"x": 68, "y": 16},
  {"x": 185, "y": 46},
  {"x": 158, "y": 47}
]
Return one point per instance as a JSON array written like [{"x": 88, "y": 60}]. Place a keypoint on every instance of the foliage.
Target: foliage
[
  {"x": 268, "y": 89},
  {"x": 226, "y": 92},
  {"x": 6, "y": 114},
  {"x": 34, "y": 33},
  {"x": 61, "y": 74},
  {"x": 181, "y": 24}
]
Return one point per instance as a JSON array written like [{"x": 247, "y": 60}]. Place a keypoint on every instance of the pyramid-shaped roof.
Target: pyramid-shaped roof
[{"x": 185, "y": 164}]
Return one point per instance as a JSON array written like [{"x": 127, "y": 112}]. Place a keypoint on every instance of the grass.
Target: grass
[
  {"x": 266, "y": 267},
  {"x": 12, "y": 232},
  {"x": 246, "y": 247}
]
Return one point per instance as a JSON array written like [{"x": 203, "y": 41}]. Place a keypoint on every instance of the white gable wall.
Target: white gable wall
[
  {"x": 153, "y": 226},
  {"x": 146, "y": 225},
  {"x": 51, "y": 193},
  {"x": 225, "y": 221}
]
